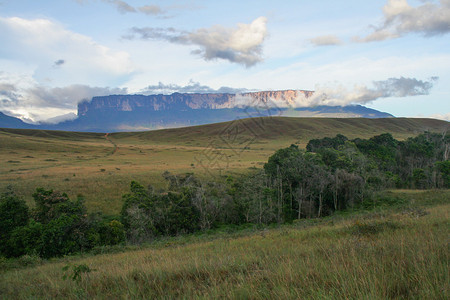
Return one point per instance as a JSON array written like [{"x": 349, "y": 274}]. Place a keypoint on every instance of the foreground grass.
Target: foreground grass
[{"x": 382, "y": 254}]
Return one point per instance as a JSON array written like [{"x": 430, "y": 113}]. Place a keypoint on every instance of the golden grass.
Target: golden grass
[
  {"x": 405, "y": 256},
  {"x": 101, "y": 168}
]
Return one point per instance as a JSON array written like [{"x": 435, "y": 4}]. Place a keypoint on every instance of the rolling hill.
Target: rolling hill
[{"x": 101, "y": 166}]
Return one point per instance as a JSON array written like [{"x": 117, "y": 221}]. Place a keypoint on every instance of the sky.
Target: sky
[{"x": 390, "y": 55}]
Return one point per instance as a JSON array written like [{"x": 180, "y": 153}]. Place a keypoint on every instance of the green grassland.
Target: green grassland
[
  {"x": 101, "y": 166},
  {"x": 396, "y": 250}
]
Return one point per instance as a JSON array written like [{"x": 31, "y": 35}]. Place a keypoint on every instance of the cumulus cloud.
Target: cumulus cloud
[
  {"x": 37, "y": 42},
  {"x": 339, "y": 95},
  {"x": 362, "y": 94},
  {"x": 242, "y": 45},
  {"x": 8, "y": 94},
  {"x": 40, "y": 103},
  {"x": 191, "y": 87},
  {"x": 325, "y": 40},
  {"x": 400, "y": 18}
]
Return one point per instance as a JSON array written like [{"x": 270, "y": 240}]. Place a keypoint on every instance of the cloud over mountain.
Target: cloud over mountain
[
  {"x": 191, "y": 87},
  {"x": 40, "y": 103},
  {"x": 362, "y": 94}
]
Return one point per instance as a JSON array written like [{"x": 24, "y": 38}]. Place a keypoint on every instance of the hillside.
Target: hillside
[
  {"x": 287, "y": 130},
  {"x": 12, "y": 122},
  {"x": 399, "y": 251},
  {"x": 101, "y": 167}
]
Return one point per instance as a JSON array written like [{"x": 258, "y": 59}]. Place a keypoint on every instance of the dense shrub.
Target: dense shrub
[
  {"x": 27, "y": 239},
  {"x": 13, "y": 215}
]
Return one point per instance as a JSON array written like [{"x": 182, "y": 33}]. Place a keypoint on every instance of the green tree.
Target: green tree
[
  {"x": 443, "y": 167},
  {"x": 50, "y": 205},
  {"x": 13, "y": 215},
  {"x": 27, "y": 239},
  {"x": 64, "y": 222},
  {"x": 136, "y": 214}
]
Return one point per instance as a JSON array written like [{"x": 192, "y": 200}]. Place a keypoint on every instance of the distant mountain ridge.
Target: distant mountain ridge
[
  {"x": 146, "y": 112},
  {"x": 178, "y": 101},
  {"x": 12, "y": 122},
  {"x": 141, "y": 112}
]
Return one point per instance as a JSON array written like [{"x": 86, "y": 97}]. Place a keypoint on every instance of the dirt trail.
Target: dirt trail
[{"x": 113, "y": 143}]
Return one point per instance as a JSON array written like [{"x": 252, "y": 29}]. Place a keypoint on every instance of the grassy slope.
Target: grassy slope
[
  {"x": 101, "y": 168},
  {"x": 382, "y": 254},
  {"x": 293, "y": 129}
]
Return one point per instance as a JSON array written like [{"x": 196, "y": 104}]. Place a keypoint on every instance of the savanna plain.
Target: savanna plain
[{"x": 393, "y": 248}]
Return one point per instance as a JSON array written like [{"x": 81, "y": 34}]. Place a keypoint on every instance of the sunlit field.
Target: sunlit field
[{"x": 100, "y": 167}]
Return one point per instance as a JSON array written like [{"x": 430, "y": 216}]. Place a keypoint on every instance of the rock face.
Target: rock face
[
  {"x": 140, "y": 112},
  {"x": 182, "y": 102}
]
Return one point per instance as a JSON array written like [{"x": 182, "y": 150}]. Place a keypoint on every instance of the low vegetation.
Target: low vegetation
[
  {"x": 344, "y": 218},
  {"x": 383, "y": 253}
]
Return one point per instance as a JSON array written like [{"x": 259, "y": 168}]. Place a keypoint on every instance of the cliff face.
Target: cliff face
[
  {"x": 181, "y": 102},
  {"x": 140, "y": 112}
]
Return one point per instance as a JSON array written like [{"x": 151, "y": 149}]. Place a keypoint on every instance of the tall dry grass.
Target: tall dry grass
[{"x": 384, "y": 255}]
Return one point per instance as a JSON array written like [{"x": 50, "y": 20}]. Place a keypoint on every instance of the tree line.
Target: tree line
[{"x": 332, "y": 174}]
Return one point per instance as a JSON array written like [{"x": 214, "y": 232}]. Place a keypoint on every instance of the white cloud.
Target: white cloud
[
  {"x": 191, "y": 87},
  {"x": 444, "y": 116},
  {"x": 42, "y": 44},
  {"x": 242, "y": 45},
  {"x": 400, "y": 18},
  {"x": 39, "y": 103},
  {"x": 61, "y": 118},
  {"x": 362, "y": 94}
]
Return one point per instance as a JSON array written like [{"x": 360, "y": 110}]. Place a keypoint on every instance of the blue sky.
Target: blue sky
[{"x": 391, "y": 55}]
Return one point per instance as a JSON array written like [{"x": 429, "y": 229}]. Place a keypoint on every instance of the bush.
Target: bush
[
  {"x": 13, "y": 214},
  {"x": 112, "y": 233},
  {"x": 27, "y": 239}
]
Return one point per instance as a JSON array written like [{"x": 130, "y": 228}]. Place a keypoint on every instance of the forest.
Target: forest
[{"x": 332, "y": 174}]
